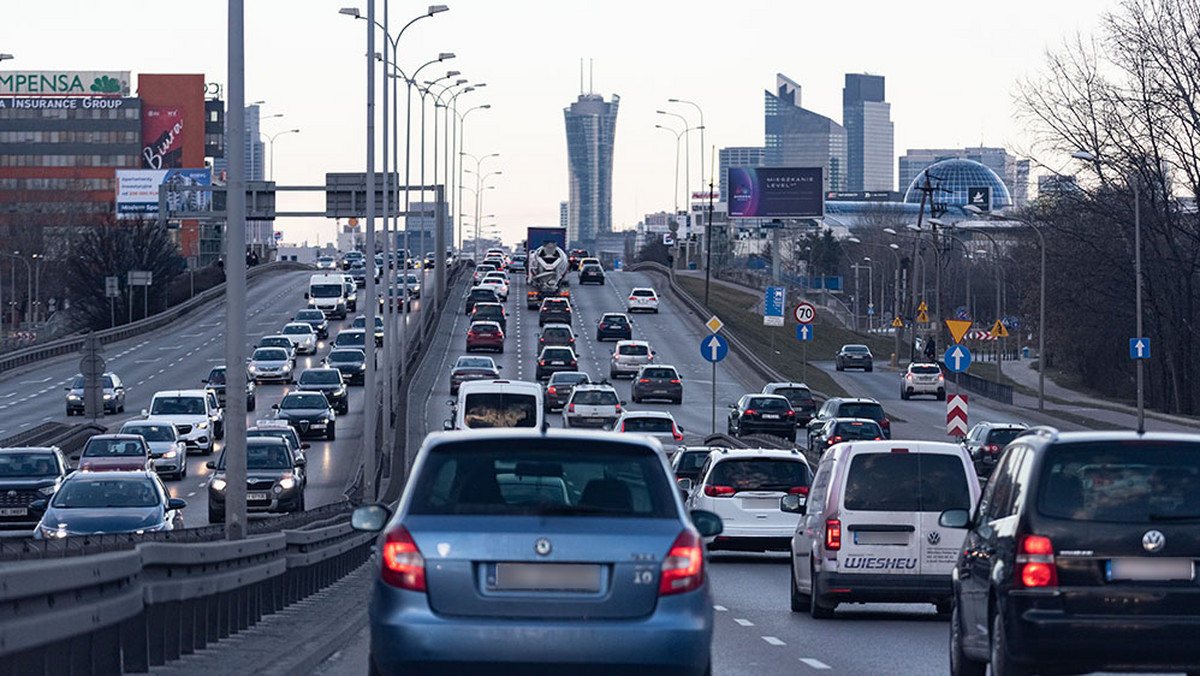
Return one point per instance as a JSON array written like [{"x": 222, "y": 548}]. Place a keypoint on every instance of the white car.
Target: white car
[
  {"x": 481, "y": 270},
  {"x": 326, "y": 263},
  {"x": 591, "y": 405},
  {"x": 923, "y": 379},
  {"x": 279, "y": 340},
  {"x": 193, "y": 412},
  {"x": 628, "y": 357},
  {"x": 744, "y": 486},
  {"x": 643, "y": 299},
  {"x": 271, "y": 363},
  {"x": 496, "y": 284},
  {"x": 302, "y": 335},
  {"x": 658, "y": 424}
]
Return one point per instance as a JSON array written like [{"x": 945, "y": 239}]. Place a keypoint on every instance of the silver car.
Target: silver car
[
  {"x": 279, "y": 340},
  {"x": 592, "y": 406},
  {"x": 271, "y": 363},
  {"x": 629, "y": 356},
  {"x": 303, "y": 337},
  {"x": 168, "y": 451}
]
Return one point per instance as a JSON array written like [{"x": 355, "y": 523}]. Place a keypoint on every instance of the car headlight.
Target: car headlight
[
  {"x": 47, "y": 490},
  {"x": 252, "y": 368},
  {"x": 312, "y": 302},
  {"x": 108, "y": 396},
  {"x": 341, "y": 391},
  {"x": 287, "y": 483},
  {"x": 170, "y": 454},
  {"x": 218, "y": 485},
  {"x": 203, "y": 425},
  {"x": 362, "y": 367},
  {"x": 53, "y": 533},
  {"x": 73, "y": 397}
]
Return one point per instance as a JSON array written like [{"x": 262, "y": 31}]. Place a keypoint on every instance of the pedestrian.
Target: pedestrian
[{"x": 930, "y": 349}]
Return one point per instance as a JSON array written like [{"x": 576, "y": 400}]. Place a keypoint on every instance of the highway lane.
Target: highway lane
[{"x": 180, "y": 357}]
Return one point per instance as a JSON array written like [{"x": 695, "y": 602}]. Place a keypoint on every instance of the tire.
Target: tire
[
  {"x": 215, "y": 517},
  {"x": 791, "y": 437},
  {"x": 944, "y": 607},
  {"x": 941, "y": 395},
  {"x": 869, "y": 369},
  {"x": 183, "y": 468},
  {"x": 634, "y": 399},
  {"x": 960, "y": 664},
  {"x": 1001, "y": 666},
  {"x": 815, "y": 609},
  {"x": 218, "y": 431},
  {"x": 904, "y": 395},
  {"x": 602, "y": 284},
  {"x": 300, "y": 507},
  {"x": 209, "y": 450},
  {"x": 800, "y": 601},
  {"x": 840, "y": 367},
  {"x": 679, "y": 401},
  {"x": 331, "y": 433}
]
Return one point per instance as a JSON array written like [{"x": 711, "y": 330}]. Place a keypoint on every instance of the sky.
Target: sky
[{"x": 951, "y": 70}]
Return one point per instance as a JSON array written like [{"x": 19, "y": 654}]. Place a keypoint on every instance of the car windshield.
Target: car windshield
[
  {"x": 855, "y": 349},
  {"x": 25, "y": 464},
  {"x": 760, "y": 474},
  {"x": 326, "y": 290},
  {"x": 541, "y": 477},
  {"x": 595, "y": 398},
  {"x": 177, "y": 406},
  {"x": 216, "y": 377},
  {"x": 360, "y": 322},
  {"x": 151, "y": 432},
  {"x": 660, "y": 373},
  {"x": 293, "y": 329},
  {"x": 113, "y": 448},
  {"x": 652, "y": 425},
  {"x": 97, "y": 492},
  {"x": 633, "y": 350},
  {"x": 296, "y": 400},
  {"x": 105, "y": 382},
  {"x": 858, "y": 430},
  {"x": 1136, "y": 481},
  {"x": 861, "y": 410},
  {"x": 309, "y": 315},
  {"x": 270, "y": 354},
  {"x": 351, "y": 337},
  {"x": 265, "y": 456},
  {"x": 474, "y": 363},
  {"x": 327, "y": 377},
  {"x": 346, "y": 356},
  {"x": 906, "y": 482},
  {"x": 499, "y": 409}
]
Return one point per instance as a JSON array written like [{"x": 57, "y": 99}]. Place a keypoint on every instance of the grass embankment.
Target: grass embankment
[{"x": 742, "y": 314}]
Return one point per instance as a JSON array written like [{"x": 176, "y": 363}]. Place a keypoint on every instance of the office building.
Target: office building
[
  {"x": 254, "y": 148},
  {"x": 957, "y": 181},
  {"x": 798, "y": 137},
  {"x": 422, "y": 227},
  {"x": 1012, "y": 170},
  {"x": 562, "y": 214},
  {"x": 867, "y": 119},
  {"x": 736, "y": 156},
  {"x": 591, "y": 125},
  {"x": 1056, "y": 184}
]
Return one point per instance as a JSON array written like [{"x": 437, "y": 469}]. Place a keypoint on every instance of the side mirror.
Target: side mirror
[
  {"x": 306, "y": 294},
  {"x": 145, "y": 413},
  {"x": 448, "y": 425},
  {"x": 67, "y": 389},
  {"x": 681, "y": 430},
  {"x": 814, "y": 424},
  {"x": 275, "y": 407},
  {"x": 39, "y": 505},
  {"x": 211, "y": 464},
  {"x": 176, "y": 503},
  {"x": 707, "y": 523},
  {"x": 733, "y": 406},
  {"x": 793, "y": 504},
  {"x": 499, "y": 368},
  {"x": 955, "y": 518},
  {"x": 685, "y": 484},
  {"x": 305, "y": 446},
  {"x": 623, "y": 403},
  {"x": 370, "y": 518},
  {"x": 301, "y": 462}
]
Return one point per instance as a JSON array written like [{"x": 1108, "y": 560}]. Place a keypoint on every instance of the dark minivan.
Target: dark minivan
[{"x": 1081, "y": 556}]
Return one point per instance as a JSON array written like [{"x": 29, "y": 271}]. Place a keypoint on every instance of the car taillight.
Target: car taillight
[
  {"x": 570, "y": 408},
  {"x": 993, "y": 449},
  {"x": 470, "y": 334},
  {"x": 885, "y": 424},
  {"x": 403, "y": 565},
  {"x": 633, "y": 298},
  {"x": 941, "y": 378},
  {"x": 798, "y": 490},
  {"x": 541, "y": 362},
  {"x": 791, "y": 414},
  {"x": 499, "y": 334},
  {"x": 618, "y": 408},
  {"x": 719, "y": 491},
  {"x": 1036, "y": 560},
  {"x": 683, "y": 566},
  {"x": 676, "y": 433},
  {"x": 908, "y": 377},
  {"x": 675, "y": 381},
  {"x": 643, "y": 380},
  {"x": 553, "y": 389},
  {"x": 751, "y": 411},
  {"x": 834, "y": 440},
  {"x": 833, "y": 535}
]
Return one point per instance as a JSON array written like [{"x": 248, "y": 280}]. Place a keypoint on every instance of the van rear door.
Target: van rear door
[{"x": 878, "y": 515}]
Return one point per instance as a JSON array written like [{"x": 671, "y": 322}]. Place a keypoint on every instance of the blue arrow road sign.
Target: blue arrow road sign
[
  {"x": 804, "y": 332},
  {"x": 773, "y": 301},
  {"x": 957, "y": 358},
  {"x": 714, "y": 347},
  {"x": 1139, "y": 348}
]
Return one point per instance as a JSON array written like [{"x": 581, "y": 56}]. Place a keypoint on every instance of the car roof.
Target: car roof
[
  {"x": 29, "y": 449},
  {"x": 498, "y": 384},
  {"x": 615, "y": 314},
  {"x": 742, "y": 453},
  {"x": 181, "y": 393},
  {"x": 782, "y": 385},
  {"x": 318, "y": 369},
  {"x": 266, "y": 439},
  {"x": 304, "y": 324},
  {"x": 642, "y": 288},
  {"x": 854, "y": 400},
  {"x": 594, "y": 386},
  {"x": 126, "y": 475},
  {"x": 853, "y": 420},
  {"x": 648, "y": 414},
  {"x": 114, "y": 436},
  {"x": 557, "y": 374},
  {"x": 557, "y": 347},
  {"x": 349, "y": 349},
  {"x": 557, "y": 325},
  {"x": 485, "y": 322},
  {"x": 890, "y": 445},
  {"x": 621, "y": 343},
  {"x": 766, "y": 395},
  {"x": 658, "y": 366},
  {"x": 435, "y": 439}
]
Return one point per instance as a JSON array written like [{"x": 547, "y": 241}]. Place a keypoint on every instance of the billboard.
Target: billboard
[
  {"x": 65, "y": 83},
  {"x": 162, "y": 137},
  {"x": 172, "y": 121},
  {"x": 776, "y": 192},
  {"x": 137, "y": 191}
]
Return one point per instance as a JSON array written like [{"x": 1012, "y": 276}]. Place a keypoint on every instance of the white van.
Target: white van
[
  {"x": 869, "y": 530},
  {"x": 484, "y": 404},
  {"x": 327, "y": 293}
]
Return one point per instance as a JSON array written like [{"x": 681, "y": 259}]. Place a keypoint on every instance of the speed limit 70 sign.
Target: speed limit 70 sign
[{"x": 805, "y": 313}]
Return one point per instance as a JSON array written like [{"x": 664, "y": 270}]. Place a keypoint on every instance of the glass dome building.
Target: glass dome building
[{"x": 957, "y": 176}]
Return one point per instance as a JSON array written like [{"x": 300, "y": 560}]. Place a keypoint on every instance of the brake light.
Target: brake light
[
  {"x": 553, "y": 389},
  {"x": 499, "y": 334},
  {"x": 1036, "y": 558},
  {"x": 885, "y": 424},
  {"x": 403, "y": 565},
  {"x": 908, "y": 377},
  {"x": 833, "y": 535},
  {"x": 643, "y": 380},
  {"x": 570, "y": 408},
  {"x": 470, "y": 334},
  {"x": 675, "y": 433},
  {"x": 541, "y": 362},
  {"x": 718, "y": 491},
  {"x": 834, "y": 440},
  {"x": 683, "y": 566},
  {"x": 798, "y": 490},
  {"x": 618, "y": 408},
  {"x": 751, "y": 411},
  {"x": 675, "y": 381},
  {"x": 791, "y": 414}
]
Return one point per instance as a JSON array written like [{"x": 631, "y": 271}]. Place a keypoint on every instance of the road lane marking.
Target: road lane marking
[
  {"x": 772, "y": 640},
  {"x": 193, "y": 493},
  {"x": 743, "y": 622},
  {"x": 815, "y": 663},
  {"x": 720, "y": 609}
]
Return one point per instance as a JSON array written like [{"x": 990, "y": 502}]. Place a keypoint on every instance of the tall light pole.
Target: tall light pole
[
  {"x": 475, "y": 191},
  {"x": 999, "y": 280},
  {"x": 28, "y": 285},
  {"x": 700, "y": 111},
  {"x": 271, "y": 145},
  {"x": 462, "y": 139},
  {"x": 453, "y": 158},
  {"x": 687, "y": 156},
  {"x": 479, "y": 205},
  {"x": 439, "y": 235},
  {"x": 678, "y": 135}
]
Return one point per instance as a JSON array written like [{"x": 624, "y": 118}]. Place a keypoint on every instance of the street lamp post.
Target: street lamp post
[
  {"x": 462, "y": 140},
  {"x": 271, "y": 147},
  {"x": 475, "y": 191},
  {"x": 678, "y": 135},
  {"x": 700, "y": 111}
]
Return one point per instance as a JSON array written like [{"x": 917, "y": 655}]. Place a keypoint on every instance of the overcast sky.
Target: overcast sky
[{"x": 951, "y": 70}]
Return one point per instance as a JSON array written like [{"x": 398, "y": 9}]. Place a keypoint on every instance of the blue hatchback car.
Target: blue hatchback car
[{"x": 525, "y": 552}]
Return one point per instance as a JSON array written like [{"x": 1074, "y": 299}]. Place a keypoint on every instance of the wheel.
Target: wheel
[
  {"x": 612, "y": 375},
  {"x": 1001, "y": 666},
  {"x": 215, "y": 516},
  {"x": 300, "y": 505},
  {"x": 960, "y": 664},
  {"x": 945, "y": 606},
  {"x": 904, "y": 395},
  {"x": 634, "y": 399},
  {"x": 500, "y": 350},
  {"x": 941, "y": 395},
  {"x": 791, "y": 437},
  {"x": 800, "y": 601},
  {"x": 840, "y": 367},
  {"x": 183, "y": 469},
  {"x": 69, "y": 413},
  {"x": 679, "y": 400},
  {"x": 345, "y": 409},
  {"x": 815, "y": 608},
  {"x": 209, "y": 450},
  {"x": 655, "y": 310},
  {"x": 729, "y": 428},
  {"x": 602, "y": 284},
  {"x": 218, "y": 431},
  {"x": 250, "y": 404},
  {"x": 330, "y": 432}
]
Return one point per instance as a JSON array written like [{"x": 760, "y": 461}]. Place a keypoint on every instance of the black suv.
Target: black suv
[
  {"x": 1081, "y": 557},
  {"x": 800, "y": 396},
  {"x": 327, "y": 381},
  {"x": 591, "y": 273},
  {"x": 987, "y": 440},
  {"x": 479, "y": 295},
  {"x": 554, "y": 311},
  {"x": 28, "y": 474},
  {"x": 849, "y": 407},
  {"x": 614, "y": 326},
  {"x": 854, "y": 357}
]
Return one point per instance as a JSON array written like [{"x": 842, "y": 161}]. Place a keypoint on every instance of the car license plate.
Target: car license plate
[
  {"x": 258, "y": 496},
  {"x": 557, "y": 363},
  {"x": 1151, "y": 569},
  {"x": 659, "y": 392},
  {"x": 770, "y": 416},
  {"x": 580, "y": 577},
  {"x": 594, "y": 421},
  {"x": 13, "y": 511}
]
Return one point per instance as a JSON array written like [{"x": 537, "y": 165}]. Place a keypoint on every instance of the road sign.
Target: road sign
[
  {"x": 804, "y": 332},
  {"x": 958, "y": 328},
  {"x": 773, "y": 301},
  {"x": 870, "y": 310},
  {"x": 956, "y": 415},
  {"x": 112, "y": 287},
  {"x": 1139, "y": 348},
  {"x": 957, "y": 358},
  {"x": 998, "y": 330},
  {"x": 714, "y": 324},
  {"x": 922, "y": 317},
  {"x": 139, "y": 278},
  {"x": 922, "y": 307},
  {"x": 714, "y": 348},
  {"x": 668, "y": 240},
  {"x": 980, "y": 197},
  {"x": 804, "y": 313},
  {"x": 897, "y": 322}
]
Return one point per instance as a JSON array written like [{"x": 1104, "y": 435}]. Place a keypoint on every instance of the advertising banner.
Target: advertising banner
[
  {"x": 137, "y": 191},
  {"x": 162, "y": 137},
  {"x": 776, "y": 192},
  {"x": 64, "y": 83}
]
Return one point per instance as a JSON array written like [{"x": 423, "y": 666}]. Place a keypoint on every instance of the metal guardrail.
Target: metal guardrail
[
  {"x": 983, "y": 387},
  {"x": 72, "y": 344}
]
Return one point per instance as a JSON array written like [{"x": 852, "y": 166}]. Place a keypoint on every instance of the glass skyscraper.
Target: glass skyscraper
[
  {"x": 797, "y": 137},
  {"x": 870, "y": 133},
  {"x": 591, "y": 126}
]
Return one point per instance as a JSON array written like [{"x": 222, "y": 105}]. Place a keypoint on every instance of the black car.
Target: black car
[
  {"x": 355, "y": 338},
  {"x": 575, "y": 256},
  {"x": 614, "y": 326},
  {"x": 554, "y": 311},
  {"x": 554, "y": 359},
  {"x": 90, "y": 503},
  {"x": 112, "y": 394},
  {"x": 762, "y": 413},
  {"x": 352, "y": 362},
  {"x": 591, "y": 274},
  {"x": 800, "y": 396},
  {"x": 556, "y": 334},
  {"x": 1080, "y": 557},
  {"x": 471, "y": 368},
  {"x": 850, "y": 407},
  {"x": 559, "y": 388},
  {"x": 689, "y": 460},
  {"x": 657, "y": 382},
  {"x": 986, "y": 441},
  {"x": 216, "y": 382},
  {"x": 854, "y": 357},
  {"x": 309, "y": 413},
  {"x": 315, "y": 319},
  {"x": 327, "y": 381},
  {"x": 274, "y": 481},
  {"x": 837, "y": 430},
  {"x": 479, "y": 295},
  {"x": 490, "y": 312},
  {"x": 27, "y": 474},
  {"x": 358, "y": 271}
]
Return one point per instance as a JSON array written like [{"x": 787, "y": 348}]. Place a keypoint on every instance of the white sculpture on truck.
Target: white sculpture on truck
[{"x": 548, "y": 266}]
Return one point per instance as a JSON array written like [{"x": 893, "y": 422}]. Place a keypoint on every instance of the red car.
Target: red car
[
  {"x": 485, "y": 336},
  {"x": 115, "y": 452}
]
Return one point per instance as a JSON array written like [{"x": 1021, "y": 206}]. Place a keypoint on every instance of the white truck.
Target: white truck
[{"x": 327, "y": 293}]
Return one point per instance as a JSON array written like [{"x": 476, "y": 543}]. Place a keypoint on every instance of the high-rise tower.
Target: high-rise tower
[
  {"x": 591, "y": 126},
  {"x": 867, "y": 118},
  {"x": 798, "y": 137}
]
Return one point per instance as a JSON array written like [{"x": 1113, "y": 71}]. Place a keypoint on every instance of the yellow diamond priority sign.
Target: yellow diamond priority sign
[
  {"x": 958, "y": 328},
  {"x": 714, "y": 324},
  {"x": 998, "y": 330}
]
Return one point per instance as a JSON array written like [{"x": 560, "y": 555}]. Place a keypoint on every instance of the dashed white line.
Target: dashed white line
[
  {"x": 720, "y": 609},
  {"x": 815, "y": 663},
  {"x": 743, "y": 622},
  {"x": 773, "y": 641},
  {"x": 192, "y": 494}
]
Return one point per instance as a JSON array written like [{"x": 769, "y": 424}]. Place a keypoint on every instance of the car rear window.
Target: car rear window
[
  {"x": 1124, "y": 482},
  {"x": 500, "y": 409},
  {"x": 769, "y": 403},
  {"x": 760, "y": 474},
  {"x": 556, "y": 334},
  {"x": 643, "y": 293},
  {"x": 113, "y": 448},
  {"x": 569, "y": 378},
  {"x": 22, "y": 464},
  {"x": 1001, "y": 437},
  {"x": 659, "y": 373},
  {"x": 595, "y": 398},
  {"x": 926, "y": 369},
  {"x": 615, "y": 319},
  {"x": 633, "y": 350},
  {"x": 796, "y": 395},
  {"x": 858, "y": 430},
  {"x": 653, "y": 425},
  {"x": 692, "y": 460},
  {"x": 906, "y": 482},
  {"x": 856, "y": 349},
  {"x": 542, "y": 478},
  {"x": 872, "y": 411}
]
